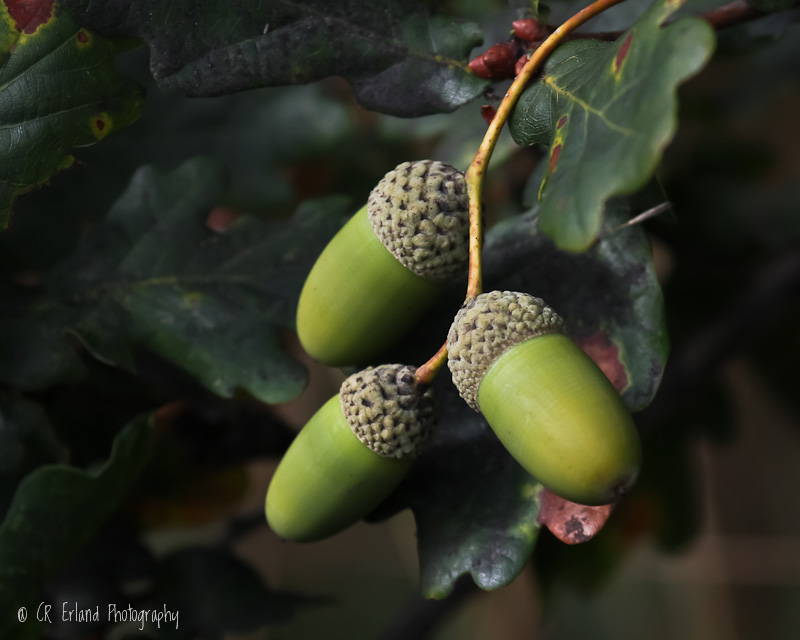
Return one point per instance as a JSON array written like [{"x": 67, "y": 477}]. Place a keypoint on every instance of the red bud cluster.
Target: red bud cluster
[
  {"x": 503, "y": 60},
  {"x": 528, "y": 30},
  {"x": 496, "y": 63}
]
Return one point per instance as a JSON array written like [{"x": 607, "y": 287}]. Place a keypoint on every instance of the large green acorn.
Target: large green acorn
[
  {"x": 549, "y": 404},
  {"x": 351, "y": 455},
  {"x": 386, "y": 266}
]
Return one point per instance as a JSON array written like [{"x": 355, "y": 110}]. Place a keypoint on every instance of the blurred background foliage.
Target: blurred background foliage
[{"x": 707, "y": 544}]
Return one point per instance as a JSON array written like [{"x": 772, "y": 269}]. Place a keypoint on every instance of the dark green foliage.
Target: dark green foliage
[
  {"x": 58, "y": 90},
  {"x": 609, "y": 295},
  {"x": 55, "y": 511},
  {"x": 465, "y": 524},
  {"x": 475, "y": 507},
  {"x": 173, "y": 298},
  {"x": 216, "y": 594},
  {"x": 153, "y": 276},
  {"x": 398, "y": 57},
  {"x": 27, "y": 440},
  {"x": 607, "y": 111}
]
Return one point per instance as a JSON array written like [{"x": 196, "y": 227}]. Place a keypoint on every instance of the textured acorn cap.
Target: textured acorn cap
[
  {"x": 420, "y": 212},
  {"x": 489, "y": 325},
  {"x": 387, "y": 410}
]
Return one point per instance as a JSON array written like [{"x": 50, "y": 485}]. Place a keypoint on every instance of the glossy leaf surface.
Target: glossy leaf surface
[
  {"x": 153, "y": 276},
  {"x": 398, "y": 57},
  {"x": 607, "y": 111},
  {"x": 609, "y": 296},
  {"x": 58, "y": 90}
]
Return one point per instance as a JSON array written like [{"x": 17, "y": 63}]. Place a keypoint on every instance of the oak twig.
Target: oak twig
[{"x": 477, "y": 170}]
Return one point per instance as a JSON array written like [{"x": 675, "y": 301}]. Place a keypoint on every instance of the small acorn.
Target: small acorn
[
  {"x": 547, "y": 401},
  {"x": 385, "y": 268},
  {"x": 351, "y": 454}
]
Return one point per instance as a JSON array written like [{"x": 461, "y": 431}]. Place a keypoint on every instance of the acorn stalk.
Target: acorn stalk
[{"x": 546, "y": 400}]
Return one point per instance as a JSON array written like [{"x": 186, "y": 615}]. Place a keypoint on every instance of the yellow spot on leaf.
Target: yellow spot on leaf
[
  {"x": 23, "y": 22},
  {"x": 192, "y": 299},
  {"x": 530, "y": 490},
  {"x": 101, "y": 125},
  {"x": 8, "y": 33},
  {"x": 621, "y": 57},
  {"x": 83, "y": 39},
  {"x": 555, "y": 153},
  {"x": 66, "y": 163},
  {"x": 527, "y": 530}
]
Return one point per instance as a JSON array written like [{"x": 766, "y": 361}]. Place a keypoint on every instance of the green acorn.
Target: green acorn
[
  {"x": 547, "y": 401},
  {"x": 386, "y": 266},
  {"x": 351, "y": 455}
]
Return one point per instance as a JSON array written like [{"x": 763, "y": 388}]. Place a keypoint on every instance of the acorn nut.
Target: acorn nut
[
  {"x": 351, "y": 454},
  {"x": 385, "y": 268},
  {"x": 547, "y": 401}
]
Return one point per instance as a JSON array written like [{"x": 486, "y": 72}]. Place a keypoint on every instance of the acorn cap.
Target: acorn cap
[
  {"x": 387, "y": 410},
  {"x": 420, "y": 212},
  {"x": 489, "y": 325}
]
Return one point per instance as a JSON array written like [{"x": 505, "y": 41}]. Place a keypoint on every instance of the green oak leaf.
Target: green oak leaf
[
  {"x": 25, "y": 432},
  {"x": 398, "y": 58},
  {"x": 27, "y": 440},
  {"x": 55, "y": 511},
  {"x": 476, "y": 508},
  {"x": 607, "y": 111},
  {"x": 609, "y": 295},
  {"x": 58, "y": 90},
  {"x": 302, "y": 125},
  {"x": 154, "y": 276}
]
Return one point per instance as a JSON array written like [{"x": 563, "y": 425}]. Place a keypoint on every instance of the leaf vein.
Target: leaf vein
[
  {"x": 27, "y": 69},
  {"x": 589, "y": 109}
]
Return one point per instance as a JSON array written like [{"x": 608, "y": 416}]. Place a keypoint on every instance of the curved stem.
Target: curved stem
[
  {"x": 477, "y": 170},
  {"x": 428, "y": 371}
]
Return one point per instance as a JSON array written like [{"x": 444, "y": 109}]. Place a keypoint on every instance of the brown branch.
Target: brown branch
[{"x": 477, "y": 170}]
